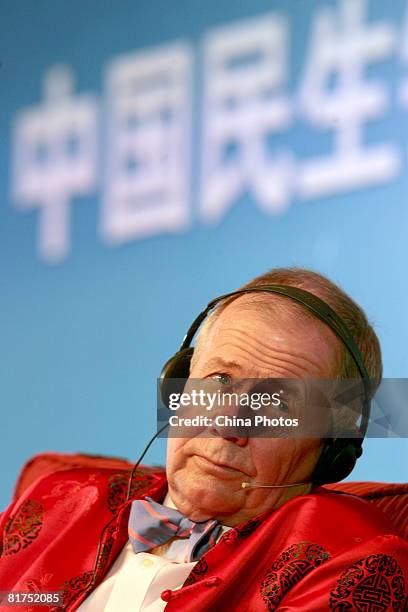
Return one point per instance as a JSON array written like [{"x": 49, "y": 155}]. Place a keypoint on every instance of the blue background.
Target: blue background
[{"x": 82, "y": 342}]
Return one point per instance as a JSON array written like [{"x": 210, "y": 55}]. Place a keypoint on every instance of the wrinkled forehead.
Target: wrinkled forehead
[{"x": 273, "y": 321}]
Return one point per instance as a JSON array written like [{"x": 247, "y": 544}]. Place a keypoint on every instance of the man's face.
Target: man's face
[{"x": 205, "y": 472}]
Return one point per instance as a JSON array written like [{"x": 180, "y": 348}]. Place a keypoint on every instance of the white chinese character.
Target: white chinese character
[
  {"x": 147, "y": 176},
  {"x": 336, "y": 96},
  {"x": 244, "y": 109},
  {"x": 55, "y": 147}
]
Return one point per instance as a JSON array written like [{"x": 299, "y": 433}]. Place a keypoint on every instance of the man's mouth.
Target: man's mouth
[{"x": 215, "y": 465}]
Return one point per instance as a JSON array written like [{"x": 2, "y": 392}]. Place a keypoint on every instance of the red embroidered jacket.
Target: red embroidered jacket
[{"x": 322, "y": 551}]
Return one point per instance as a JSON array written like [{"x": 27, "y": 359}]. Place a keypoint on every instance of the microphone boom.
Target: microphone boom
[{"x": 248, "y": 485}]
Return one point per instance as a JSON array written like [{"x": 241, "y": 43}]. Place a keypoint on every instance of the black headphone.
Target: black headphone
[{"x": 339, "y": 456}]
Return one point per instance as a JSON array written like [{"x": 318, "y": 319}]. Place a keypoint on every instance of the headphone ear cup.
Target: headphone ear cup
[
  {"x": 337, "y": 460},
  {"x": 177, "y": 367}
]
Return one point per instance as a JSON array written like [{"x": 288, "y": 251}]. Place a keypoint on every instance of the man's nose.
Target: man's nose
[{"x": 225, "y": 425}]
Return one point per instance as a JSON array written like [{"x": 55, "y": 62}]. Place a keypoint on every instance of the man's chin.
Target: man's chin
[{"x": 201, "y": 500}]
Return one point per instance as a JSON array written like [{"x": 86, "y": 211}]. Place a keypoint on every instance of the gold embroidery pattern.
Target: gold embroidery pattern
[{"x": 22, "y": 529}]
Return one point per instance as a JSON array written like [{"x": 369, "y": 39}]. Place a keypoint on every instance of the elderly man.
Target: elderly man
[{"x": 195, "y": 538}]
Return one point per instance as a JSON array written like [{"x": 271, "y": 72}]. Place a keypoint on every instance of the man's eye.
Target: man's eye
[
  {"x": 283, "y": 406},
  {"x": 224, "y": 379}
]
